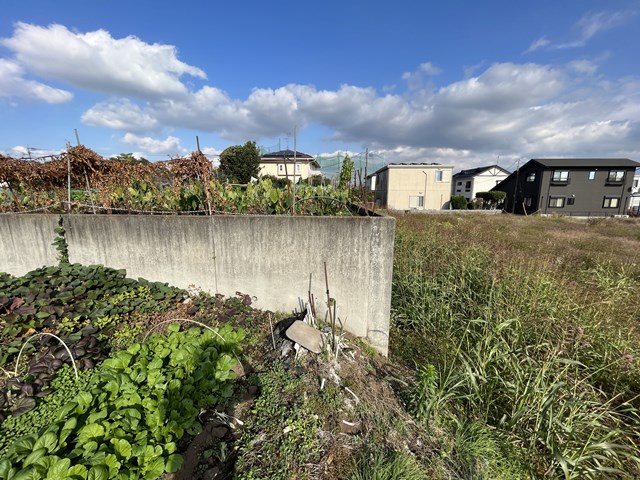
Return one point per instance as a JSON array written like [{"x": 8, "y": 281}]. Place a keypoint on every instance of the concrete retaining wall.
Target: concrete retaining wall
[{"x": 270, "y": 257}]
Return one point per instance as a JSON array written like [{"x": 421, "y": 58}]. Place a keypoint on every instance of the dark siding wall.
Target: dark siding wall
[
  {"x": 588, "y": 194},
  {"x": 525, "y": 189},
  {"x": 382, "y": 185}
]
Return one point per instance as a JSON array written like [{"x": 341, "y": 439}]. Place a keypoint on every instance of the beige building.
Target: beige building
[
  {"x": 281, "y": 164},
  {"x": 412, "y": 186}
]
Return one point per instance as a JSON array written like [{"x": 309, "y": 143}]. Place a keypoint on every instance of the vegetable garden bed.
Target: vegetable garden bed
[{"x": 134, "y": 397}]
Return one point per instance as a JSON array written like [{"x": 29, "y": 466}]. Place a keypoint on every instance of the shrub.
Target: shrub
[
  {"x": 277, "y": 182},
  {"x": 459, "y": 202},
  {"x": 492, "y": 198}
]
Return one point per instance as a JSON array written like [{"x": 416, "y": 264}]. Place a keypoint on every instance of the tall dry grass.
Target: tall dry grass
[{"x": 523, "y": 342}]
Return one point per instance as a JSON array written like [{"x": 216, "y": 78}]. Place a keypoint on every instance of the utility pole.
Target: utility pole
[
  {"x": 75, "y": 130},
  {"x": 366, "y": 163},
  {"x": 515, "y": 188},
  {"x": 295, "y": 166},
  {"x": 68, "y": 178},
  {"x": 197, "y": 142}
]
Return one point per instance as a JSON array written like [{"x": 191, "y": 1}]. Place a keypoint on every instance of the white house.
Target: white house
[
  {"x": 634, "y": 199},
  {"x": 481, "y": 179}
]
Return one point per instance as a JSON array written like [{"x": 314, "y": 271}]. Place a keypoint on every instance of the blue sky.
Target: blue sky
[{"x": 455, "y": 82}]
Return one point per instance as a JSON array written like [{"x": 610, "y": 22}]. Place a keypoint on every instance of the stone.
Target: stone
[
  {"x": 238, "y": 369},
  {"x": 308, "y": 337},
  {"x": 350, "y": 428}
]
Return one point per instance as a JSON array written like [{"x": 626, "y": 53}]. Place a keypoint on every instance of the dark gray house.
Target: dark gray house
[{"x": 570, "y": 186}]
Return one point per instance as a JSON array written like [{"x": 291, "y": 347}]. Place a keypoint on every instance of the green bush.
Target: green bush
[{"x": 459, "y": 202}]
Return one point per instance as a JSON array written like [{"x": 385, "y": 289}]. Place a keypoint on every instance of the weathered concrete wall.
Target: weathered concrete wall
[
  {"x": 270, "y": 257},
  {"x": 26, "y": 242}
]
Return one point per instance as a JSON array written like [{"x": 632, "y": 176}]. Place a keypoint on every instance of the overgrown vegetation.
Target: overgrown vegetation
[
  {"x": 523, "y": 332},
  {"x": 182, "y": 185}
]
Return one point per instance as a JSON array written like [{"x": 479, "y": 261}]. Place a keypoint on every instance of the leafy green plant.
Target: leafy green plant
[
  {"x": 60, "y": 242},
  {"x": 140, "y": 404}
]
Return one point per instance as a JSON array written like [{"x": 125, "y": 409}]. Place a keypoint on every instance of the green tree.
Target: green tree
[
  {"x": 345, "y": 172},
  {"x": 239, "y": 163},
  {"x": 129, "y": 158}
]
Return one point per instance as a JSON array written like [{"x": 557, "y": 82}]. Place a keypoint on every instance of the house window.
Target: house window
[
  {"x": 615, "y": 176},
  {"x": 459, "y": 183},
  {"x": 635, "y": 183},
  {"x": 416, "y": 201},
  {"x": 531, "y": 177},
  {"x": 560, "y": 176},
  {"x": 592, "y": 175},
  {"x": 467, "y": 187},
  {"x": 611, "y": 202},
  {"x": 439, "y": 175},
  {"x": 297, "y": 168},
  {"x": 556, "y": 202},
  {"x": 571, "y": 200},
  {"x": 527, "y": 201},
  {"x": 281, "y": 168}
]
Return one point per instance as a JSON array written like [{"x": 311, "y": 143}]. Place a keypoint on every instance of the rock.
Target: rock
[
  {"x": 239, "y": 370},
  {"x": 212, "y": 473},
  {"x": 308, "y": 337},
  {"x": 252, "y": 390},
  {"x": 351, "y": 428}
]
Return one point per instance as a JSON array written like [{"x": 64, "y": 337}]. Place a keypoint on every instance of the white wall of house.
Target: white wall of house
[
  {"x": 634, "y": 199},
  {"x": 303, "y": 169},
  {"x": 470, "y": 185}
]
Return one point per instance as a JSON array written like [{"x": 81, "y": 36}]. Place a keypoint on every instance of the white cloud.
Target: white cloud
[
  {"x": 511, "y": 109},
  {"x": 588, "y": 26},
  {"x": 421, "y": 76},
  {"x": 538, "y": 44},
  {"x": 169, "y": 146},
  {"x": 119, "y": 114},
  {"x": 97, "y": 61},
  {"x": 20, "y": 151},
  {"x": 586, "y": 67},
  {"x": 507, "y": 108},
  {"x": 13, "y": 84},
  {"x": 592, "y": 23}
]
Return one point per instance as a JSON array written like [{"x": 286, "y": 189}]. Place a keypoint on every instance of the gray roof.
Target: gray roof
[
  {"x": 586, "y": 162},
  {"x": 476, "y": 171},
  {"x": 286, "y": 154}
]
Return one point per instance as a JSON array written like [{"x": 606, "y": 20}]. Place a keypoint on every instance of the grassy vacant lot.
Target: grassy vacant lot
[{"x": 524, "y": 335}]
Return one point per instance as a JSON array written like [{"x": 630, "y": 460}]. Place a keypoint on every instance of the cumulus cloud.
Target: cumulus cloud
[
  {"x": 97, "y": 61},
  {"x": 508, "y": 108},
  {"x": 513, "y": 109},
  {"x": 13, "y": 84},
  {"x": 119, "y": 114},
  {"x": 169, "y": 146}
]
